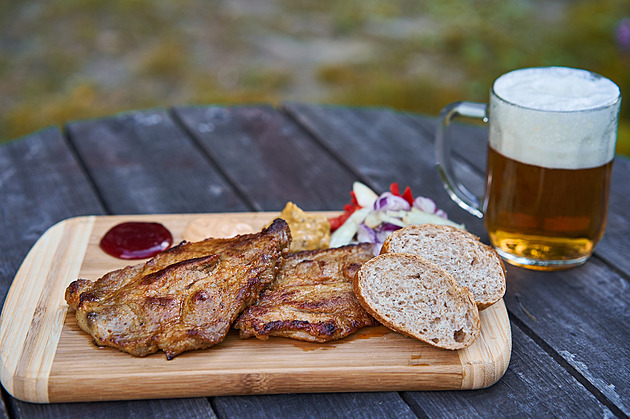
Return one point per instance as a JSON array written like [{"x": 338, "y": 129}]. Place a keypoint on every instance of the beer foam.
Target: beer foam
[
  {"x": 555, "y": 117},
  {"x": 556, "y": 89}
]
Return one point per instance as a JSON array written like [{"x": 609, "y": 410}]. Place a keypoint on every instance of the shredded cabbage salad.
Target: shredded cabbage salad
[{"x": 371, "y": 218}]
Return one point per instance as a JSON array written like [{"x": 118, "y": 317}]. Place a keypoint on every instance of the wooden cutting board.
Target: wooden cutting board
[{"x": 46, "y": 358}]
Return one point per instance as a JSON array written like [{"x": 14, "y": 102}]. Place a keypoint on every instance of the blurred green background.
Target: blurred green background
[{"x": 76, "y": 59}]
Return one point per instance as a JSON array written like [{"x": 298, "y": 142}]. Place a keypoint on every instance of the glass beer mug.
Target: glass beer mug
[{"x": 552, "y": 136}]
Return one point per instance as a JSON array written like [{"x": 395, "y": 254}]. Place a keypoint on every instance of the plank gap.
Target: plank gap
[
  {"x": 7, "y": 404},
  {"x": 295, "y": 117},
  {"x": 601, "y": 397},
  {"x": 619, "y": 271},
  {"x": 216, "y": 409},
  {"x": 414, "y": 407},
  {"x": 70, "y": 141},
  {"x": 196, "y": 142}
]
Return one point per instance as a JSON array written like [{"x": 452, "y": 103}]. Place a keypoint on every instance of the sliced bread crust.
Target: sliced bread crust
[
  {"x": 473, "y": 264},
  {"x": 417, "y": 298}
]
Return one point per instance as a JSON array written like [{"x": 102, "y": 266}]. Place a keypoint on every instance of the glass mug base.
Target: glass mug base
[
  {"x": 540, "y": 264},
  {"x": 541, "y": 252}
]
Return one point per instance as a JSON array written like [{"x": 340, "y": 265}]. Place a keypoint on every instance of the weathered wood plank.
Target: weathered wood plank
[
  {"x": 4, "y": 400},
  {"x": 268, "y": 157},
  {"x": 168, "y": 408},
  {"x": 141, "y": 163},
  {"x": 406, "y": 147},
  {"x": 527, "y": 390},
  {"x": 583, "y": 315},
  {"x": 613, "y": 248},
  {"x": 41, "y": 183},
  {"x": 325, "y": 406}
]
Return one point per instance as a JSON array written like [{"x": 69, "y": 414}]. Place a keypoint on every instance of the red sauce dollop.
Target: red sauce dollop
[{"x": 136, "y": 240}]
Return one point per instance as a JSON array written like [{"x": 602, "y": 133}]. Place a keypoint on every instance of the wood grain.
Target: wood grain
[
  {"x": 268, "y": 157},
  {"x": 142, "y": 162},
  {"x": 315, "y": 406},
  {"x": 40, "y": 184},
  {"x": 28, "y": 339},
  {"x": 374, "y": 359},
  {"x": 550, "y": 391}
]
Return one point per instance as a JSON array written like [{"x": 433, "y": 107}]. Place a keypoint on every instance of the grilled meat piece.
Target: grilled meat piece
[
  {"x": 312, "y": 297},
  {"x": 184, "y": 298}
]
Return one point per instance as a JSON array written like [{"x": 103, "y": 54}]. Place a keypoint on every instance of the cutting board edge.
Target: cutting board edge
[
  {"x": 494, "y": 347},
  {"x": 318, "y": 380},
  {"x": 24, "y": 369}
]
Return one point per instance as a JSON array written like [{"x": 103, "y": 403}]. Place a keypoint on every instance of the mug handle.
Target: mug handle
[{"x": 456, "y": 190}]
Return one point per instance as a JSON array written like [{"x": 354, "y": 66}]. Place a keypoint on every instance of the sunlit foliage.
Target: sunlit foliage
[{"x": 62, "y": 61}]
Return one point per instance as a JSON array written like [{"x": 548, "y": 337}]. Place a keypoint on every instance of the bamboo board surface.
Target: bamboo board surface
[{"x": 46, "y": 358}]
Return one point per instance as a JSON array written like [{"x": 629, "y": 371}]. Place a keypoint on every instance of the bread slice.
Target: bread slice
[
  {"x": 417, "y": 298},
  {"x": 473, "y": 264}
]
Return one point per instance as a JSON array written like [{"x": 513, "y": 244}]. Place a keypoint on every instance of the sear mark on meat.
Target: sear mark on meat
[
  {"x": 183, "y": 299},
  {"x": 312, "y": 298}
]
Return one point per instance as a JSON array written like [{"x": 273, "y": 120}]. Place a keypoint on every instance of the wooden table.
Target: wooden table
[{"x": 570, "y": 329}]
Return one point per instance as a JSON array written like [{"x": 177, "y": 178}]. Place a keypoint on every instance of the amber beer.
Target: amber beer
[
  {"x": 543, "y": 214},
  {"x": 552, "y": 136}
]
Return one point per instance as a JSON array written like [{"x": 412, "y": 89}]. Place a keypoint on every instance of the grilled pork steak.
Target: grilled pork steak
[
  {"x": 184, "y": 298},
  {"x": 312, "y": 297}
]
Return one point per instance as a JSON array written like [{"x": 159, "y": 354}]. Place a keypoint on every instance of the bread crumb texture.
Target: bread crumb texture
[
  {"x": 472, "y": 263},
  {"x": 416, "y": 297}
]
